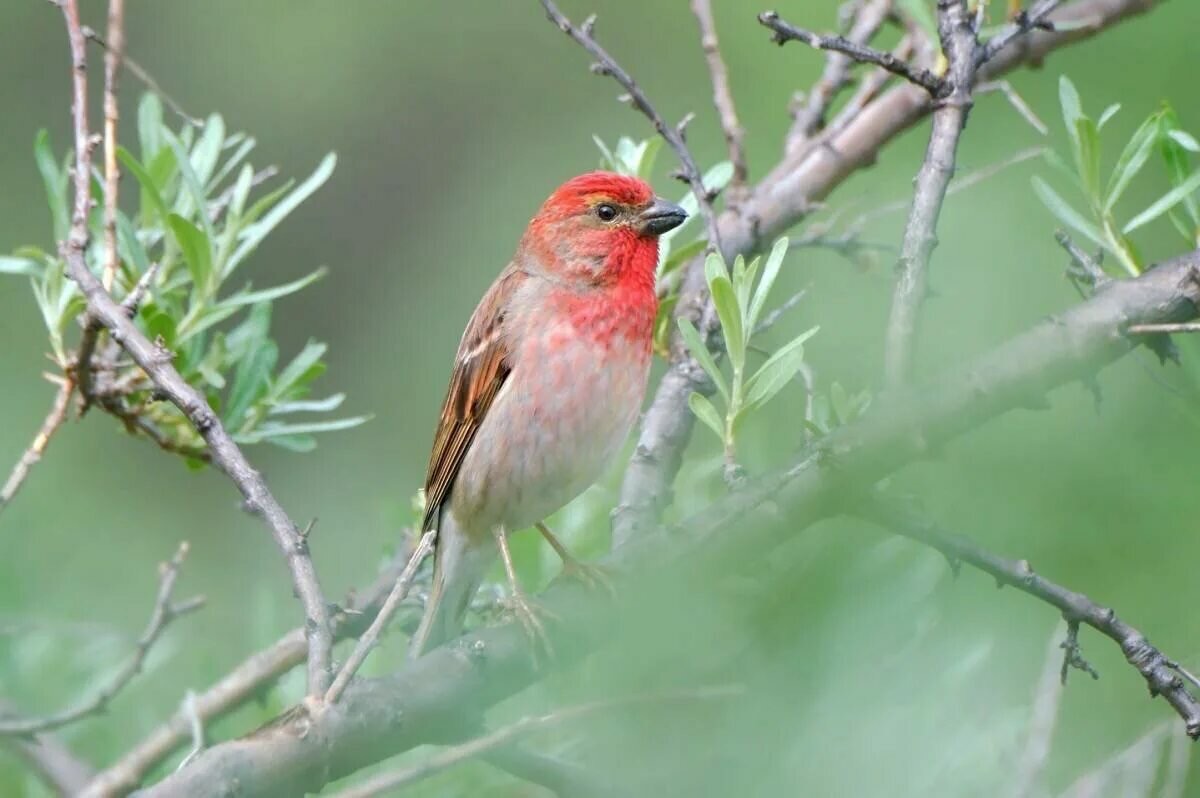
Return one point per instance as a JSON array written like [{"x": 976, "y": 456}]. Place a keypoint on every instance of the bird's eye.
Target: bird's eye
[{"x": 606, "y": 212}]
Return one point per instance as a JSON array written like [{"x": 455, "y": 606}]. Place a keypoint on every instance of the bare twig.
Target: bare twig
[
  {"x": 1156, "y": 329},
  {"x": 785, "y": 32},
  {"x": 1077, "y": 608},
  {"x": 370, "y": 638},
  {"x": 605, "y": 65},
  {"x": 242, "y": 684},
  {"x": 53, "y": 762},
  {"x": 164, "y": 612},
  {"x": 1016, "y": 101},
  {"x": 112, "y": 173},
  {"x": 867, "y": 20},
  {"x": 54, "y": 419},
  {"x": 136, "y": 424},
  {"x": 506, "y": 735},
  {"x": 224, "y": 452},
  {"x": 146, "y": 78},
  {"x": 920, "y": 234},
  {"x": 722, "y": 94},
  {"x": 1085, "y": 272},
  {"x": 772, "y": 318},
  {"x": 1026, "y": 21}
]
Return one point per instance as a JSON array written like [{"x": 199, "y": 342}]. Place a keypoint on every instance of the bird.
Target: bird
[{"x": 547, "y": 382}]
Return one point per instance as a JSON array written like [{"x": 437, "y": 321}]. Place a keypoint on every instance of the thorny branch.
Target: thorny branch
[
  {"x": 164, "y": 612},
  {"x": 158, "y": 366},
  {"x": 1161, "y": 674}
]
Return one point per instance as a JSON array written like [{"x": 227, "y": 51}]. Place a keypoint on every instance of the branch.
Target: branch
[
  {"x": 225, "y": 453},
  {"x": 836, "y": 76},
  {"x": 54, "y": 420},
  {"x": 249, "y": 679},
  {"x": 1025, "y": 22},
  {"x": 784, "y": 197},
  {"x": 160, "y": 618},
  {"x": 139, "y": 72},
  {"x": 920, "y": 234},
  {"x": 722, "y": 95},
  {"x": 429, "y": 699},
  {"x": 785, "y": 32},
  {"x": 504, "y": 736},
  {"x": 1161, "y": 674},
  {"x": 605, "y": 65},
  {"x": 370, "y": 638},
  {"x": 112, "y": 173},
  {"x": 51, "y": 760}
]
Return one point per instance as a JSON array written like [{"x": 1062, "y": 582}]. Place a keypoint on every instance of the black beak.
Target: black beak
[{"x": 660, "y": 217}]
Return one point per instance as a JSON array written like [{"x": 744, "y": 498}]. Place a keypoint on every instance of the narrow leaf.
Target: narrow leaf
[
  {"x": 26, "y": 266},
  {"x": 731, "y": 320},
  {"x": 777, "y": 371},
  {"x": 250, "y": 381},
  {"x": 691, "y": 337},
  {"x": 770, "y": 272},
  {"x": 704, "y": 411},
  {"x": 197, "y": 252},
  {"x": 308, "y": 405},
  {"x": 150, "y": 190},
  {"x": 295, "y": 370},
  {"x": 1133, "y": 158},
  {"x": 268, "y": 294},
  {"x": 54, "y": 179},
  {"x": 1164, "y": 203},
  {"x": 255, "y": 233},
  {"x": 150, "y": 123},
  {"x": 1065, "y": 213},
  {"x": 272, "y": 429}
]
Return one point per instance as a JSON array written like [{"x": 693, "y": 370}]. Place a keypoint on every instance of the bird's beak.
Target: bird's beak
[{"x": 660, "y": 217}]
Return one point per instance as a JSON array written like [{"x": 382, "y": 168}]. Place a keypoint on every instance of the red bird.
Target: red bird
[{"x": 548, "y": 380}]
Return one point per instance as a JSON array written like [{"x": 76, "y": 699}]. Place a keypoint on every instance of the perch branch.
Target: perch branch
[
  {"x": 427, "y": 700},
  {"x": 55, "y": 764},
  {"x": 158, "y": 366},
  {"x": 165, "y": 611},
  {"x": 139, "y": 72},
  {"x": 1160, "y": 673}
]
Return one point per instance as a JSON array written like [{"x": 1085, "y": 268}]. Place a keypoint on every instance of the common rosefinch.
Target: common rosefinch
[{"x": 548, "y": 379}]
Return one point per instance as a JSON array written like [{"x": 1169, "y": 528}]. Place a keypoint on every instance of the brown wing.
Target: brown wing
[{"x": 481, "y": 366}]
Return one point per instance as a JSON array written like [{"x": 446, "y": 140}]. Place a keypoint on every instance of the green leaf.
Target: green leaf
[
  {"x": 308, "y": 405},
  {"x": 294, "y": 443},
  {"x": 1072, "y": 112},
  {"x": 704, "y": 411},
  {"x": 731, "y": 319},
  {"x": 1185, "y": 140},
  {"x": 150, "y": 124},
  {"x": 1108, "y": 114},
  {"x": 158, "y": 324},
  {"x": 193, "y": 202},
  {"x": 649, "y": 154},
  {"x": 1164, "y": 203},
  {"x": 130, "y": 246},
  {"x": 742, "y": 282},
  {"x": 1178, "y": 161},
  {"x": 776, "y": 372},
  {"x": 232, "y": 162},
  {"x": 1132, "y": 159},
  {"x": 197, "y": 252},
  {"x": 241, "y": 190},
  {"x": 1088, "y": 155},
  {"x": 251, "y": 332},
  {"x": 681, "y": 256},
  {"x": 770, "y": 272},
  {"x": 268, "y": 294},
  {"x": 695, "y": 344},
  {"x": 26, "y": 266},
  {"x": 54, "y": 179},
  {"x": 1065, "y": 213},
  {"x": 204, "y": 155},
  {"x": 151, "y": 195},
  {"x": 255, "y": 233},
  {"x": 297, "y": 372},
  {"x": 250, "y": 382},
  {"x": 609, "y": 158},
  {"x": 271, "y": 429}
]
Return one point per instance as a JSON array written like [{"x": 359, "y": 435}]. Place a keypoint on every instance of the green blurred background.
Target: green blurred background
[{"x": 872, "y": 671}]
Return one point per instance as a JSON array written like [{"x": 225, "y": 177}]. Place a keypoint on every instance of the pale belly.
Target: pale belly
[{"x": 557, "y": 423}]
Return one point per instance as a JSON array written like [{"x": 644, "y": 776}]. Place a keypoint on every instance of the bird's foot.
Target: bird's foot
[
  {"x": 592, "y": 577},
  {"x": 532, "y": 617}
]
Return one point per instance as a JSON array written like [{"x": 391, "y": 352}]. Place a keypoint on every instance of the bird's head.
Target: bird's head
[{"x": 600, "y": 226}]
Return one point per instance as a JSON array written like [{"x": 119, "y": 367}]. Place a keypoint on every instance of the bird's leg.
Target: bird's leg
[
  {"x": 591, "y": 576},
  {"x": 526, "y": 610}
]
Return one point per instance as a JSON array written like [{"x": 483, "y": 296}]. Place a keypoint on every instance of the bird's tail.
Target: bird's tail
[{"x": 458, "y": 568}]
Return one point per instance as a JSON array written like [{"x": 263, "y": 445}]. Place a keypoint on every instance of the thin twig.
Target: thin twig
[
  {"x": 1077, "y": 608},
  {"x": 1086, "y": 272},
  {"x": 506, "y": 735},
  {"x": 112, "y": 173},
  {"x": 160, "y": 618},
  {"x": 920, "y": 233},
  {"x": 1026, "y": 21},
  {"x": 225, "y": 454},
  {"x": 722, "y": 94},
  {"x": 867, "y": 20},
  {"x": 370, "y": 638},
  {"x": 250, "y": 678},
  {"x": 772, "y": 318},
  {"x": 784, "y": 32},
  {"x": 1016, "y": 101},
  {"x": 1154, "y": 329},
  {"x": 605, "y": 65},
  {"x": 146, "y": 78},
  {"x": 53, "y": 762},
  {"x": 54, "y": 419},
  {"x": 135, "y": 424}
]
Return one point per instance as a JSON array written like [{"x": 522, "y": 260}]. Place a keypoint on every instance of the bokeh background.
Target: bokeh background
[{"x": 871, "y": 670}]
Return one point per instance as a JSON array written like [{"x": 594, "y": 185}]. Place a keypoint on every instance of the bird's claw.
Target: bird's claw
[
  {"x": 592, "y": 577},
  {"x": 530, "y": 615}
]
